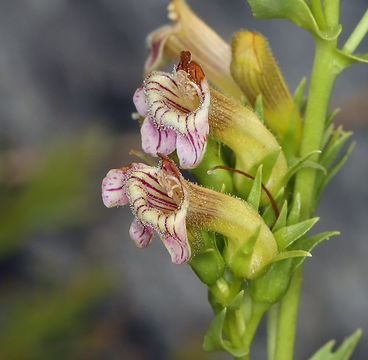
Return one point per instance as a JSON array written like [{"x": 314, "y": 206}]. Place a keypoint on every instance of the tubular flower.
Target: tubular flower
[
  {"x": 178, "y": 103},
  {"x": 175, "y": 107},
  {"x": 162, "y": 200},
  {"x": 255, "y": 71},
  {"x": 189, "y": 32}
]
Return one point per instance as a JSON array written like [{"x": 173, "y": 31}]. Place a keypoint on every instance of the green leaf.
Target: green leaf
[
  {"x": 255, "y": 193},
  {"x": 344, "y": 59},
  {"x": 269, "y": 162},
  {"x": 298, "y": 164},
  {"x": 291, "y": 254},
  {"x": 237, "y": 301},
  {"x": 294, "y": 215},
  {"x": 281, "y": 221},
  {"x": 308, "y": 244},
  {"x": 213, "y": 340},
  {"x": 332, "y": 172},
  {"x": 269, "y": 215},
  {"x": 329, "y": 155},
  {"x": 296, "y": 11},
  {"x": 299, "y": 93},
  {"x": 331, "y": 116},
  {"x": 258, "y": 108},
  {"x": 288, "y": 234},
  {"x": 342, "y": 353}
]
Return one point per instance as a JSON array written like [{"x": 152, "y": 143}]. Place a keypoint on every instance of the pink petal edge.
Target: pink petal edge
[
  {"x": 139, "y": 100},
  {"x": 157, "y": 140},
  {"x": 113, "y": 189},
  {"x": 141, "y": 234}
]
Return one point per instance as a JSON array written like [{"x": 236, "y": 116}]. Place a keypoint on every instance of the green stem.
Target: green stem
[
  {"x": 357, "y": 35},
  {"x": 272, "y": 320},
  {"x": 258, "y": 309},
  {"x": 318, "y": 13},
  {"x": 322, "y": 80},
  {"x": 332, "y": 9},
  {"x": 288, "y": 315}
]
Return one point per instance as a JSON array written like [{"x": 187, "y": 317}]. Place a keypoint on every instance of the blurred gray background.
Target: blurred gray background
[{"x": 69, "y": 65}]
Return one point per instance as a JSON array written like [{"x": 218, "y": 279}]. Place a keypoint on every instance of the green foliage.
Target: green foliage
[
  {"x": 342, "y": 353},
  {"x": 214, "y": 341},
  {"x": 299, "y": 93},
  {"x": 296, "y": 11},
  {"x": 308, "y": 244},
  {"x": 219, "y": 180},
  {"x": 255, "y": 193},
  {"x": 288, "y": 234}
]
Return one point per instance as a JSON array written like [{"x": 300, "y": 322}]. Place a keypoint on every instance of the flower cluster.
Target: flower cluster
[
  {"x": 225, "y": 114},
  {"x": 201, "y": 103}
]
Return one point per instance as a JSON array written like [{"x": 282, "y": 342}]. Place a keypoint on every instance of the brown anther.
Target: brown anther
[{"x": 193, "y": 69}]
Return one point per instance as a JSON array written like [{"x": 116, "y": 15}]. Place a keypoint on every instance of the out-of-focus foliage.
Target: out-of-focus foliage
[
  {"x": 48, "y": 324},
  {"x": 57, "y": 190}
]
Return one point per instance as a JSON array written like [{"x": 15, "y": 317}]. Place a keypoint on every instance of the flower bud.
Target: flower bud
[{"x": 255, "y": 71}]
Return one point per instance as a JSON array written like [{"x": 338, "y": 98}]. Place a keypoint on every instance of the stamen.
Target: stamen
[{"x": 273, "y": 203}]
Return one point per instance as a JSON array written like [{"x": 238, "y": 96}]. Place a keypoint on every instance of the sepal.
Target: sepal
[{"x": 207, "y": 263}]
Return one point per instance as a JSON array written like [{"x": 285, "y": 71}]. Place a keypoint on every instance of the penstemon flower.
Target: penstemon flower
[
  {"x": 180, "y": 110},
  {"x": 175, "y": 107},
  {"x": 189, "y": 32},
  {"x": 162, "y": 200}
]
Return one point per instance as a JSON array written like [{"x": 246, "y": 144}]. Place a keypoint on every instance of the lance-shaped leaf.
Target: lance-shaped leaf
[
  {"x": 301, "y": 163},
  {"x": 342, "y": 353},
  {"x": 254, "y": 196},
  {"x": 296, "y": 11},
  {"x": 299, "y": 93},
  {"x": 288, "y": 234},
  {"x": 281, "y": 221},
  {"x": 308, "y": 244}
]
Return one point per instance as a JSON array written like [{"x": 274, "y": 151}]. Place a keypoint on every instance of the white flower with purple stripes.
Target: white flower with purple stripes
[
  {"x": 158, "y": 200},
  {"x": 175, "y": 107}
]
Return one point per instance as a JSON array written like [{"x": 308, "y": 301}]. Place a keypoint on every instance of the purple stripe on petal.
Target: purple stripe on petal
[
  {"x": 162, "y": 87},
  {"x": 113, "y": 188},
  {"x": 151, "y": 139},
  {"x": 141, "y": 234}
]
